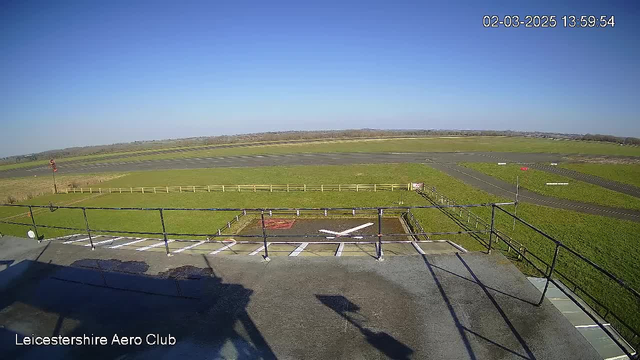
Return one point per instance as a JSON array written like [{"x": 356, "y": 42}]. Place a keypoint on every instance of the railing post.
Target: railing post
[
  {"x": 380, "y": 253},
  {"x": 86, "y": 222},
  {"x": 33, "y": 221},
  {"x": 493, "y": 216},
  {"x": 164, "y": 233},
  {"x": 264, "y": 237},
  {"x": 553, "y": 265}
]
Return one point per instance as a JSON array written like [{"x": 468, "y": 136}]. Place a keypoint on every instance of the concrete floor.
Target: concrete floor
[{"x": 463, "y": 306}]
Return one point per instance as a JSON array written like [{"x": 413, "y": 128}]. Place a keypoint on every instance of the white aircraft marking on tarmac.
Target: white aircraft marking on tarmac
[{"x": 346, "y": 232}]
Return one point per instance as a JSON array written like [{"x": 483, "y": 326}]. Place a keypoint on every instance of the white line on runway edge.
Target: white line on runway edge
[
  {"x": 129, "y": 243},
  {"x": 72, "y": 241},
  {"x": 223, "y": 248},
  {"x": 105, "y": 241},
  {"x": 189, "y": 247},
  {"x": 258, "y": 250},
  {"x": 154, "y": 245},
  {"x": 299, "y": 249},
  {"x": 340, "y": 248}
]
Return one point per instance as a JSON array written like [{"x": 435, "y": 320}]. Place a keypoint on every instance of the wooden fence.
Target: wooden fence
[{"x": 239, "y": 188}]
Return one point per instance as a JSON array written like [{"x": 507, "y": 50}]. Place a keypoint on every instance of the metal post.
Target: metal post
[
  {"x": 55, "y": 187},
  {"x": 164, "y": 233},
  {"x": 493, "y": 215},
  {"x": 264, "y": 237},
  {"x": 380, "y": 253},
  {"x": 33, "y": 221},
  {"x": 86, "y": 222},
  {"x": 553, "y": 265},
  {"x": 515, "y": 208}
]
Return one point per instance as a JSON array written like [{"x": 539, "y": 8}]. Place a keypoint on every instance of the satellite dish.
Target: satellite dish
[{"x": 31, "y": 234}]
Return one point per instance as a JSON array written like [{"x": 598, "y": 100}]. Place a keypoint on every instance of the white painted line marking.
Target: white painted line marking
[
  {"x": 418, "y": 248},
  {"x": 340, "y": 248},
  {"x": 457, "y": 246},
  {"x": 223, "y": 248},
  {"x": 105, "y": 241},
  {"x": 64, "y": 237},
  {"x": 189, "y": 247},
  {"x": 72, "y": 241},
  {"x": 299, "y": 249},
  {"x": 591, "y": 326},
  {"x": 129, "y": 243},
  {"x": 258, "y": 250},
  {"x": 155, "y": 245}
]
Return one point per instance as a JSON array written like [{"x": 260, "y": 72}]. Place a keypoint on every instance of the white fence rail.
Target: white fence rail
[{"x": 239, "y": 188}]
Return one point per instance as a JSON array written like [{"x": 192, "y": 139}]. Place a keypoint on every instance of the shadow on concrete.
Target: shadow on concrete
[
  {"x": 463, "y": 330},
  {"x": 382, "y": 341},
  {"x": 207, "y": 317},
  {"x": 499, "y": 309}
]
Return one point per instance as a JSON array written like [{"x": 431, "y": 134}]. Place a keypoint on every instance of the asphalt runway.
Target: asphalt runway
[
  {"x": 504, "y": 189},
  {"x": 461, "y": 306},
  {"x": 286, "y": 159},
  {"x": 445, "y": 161}
]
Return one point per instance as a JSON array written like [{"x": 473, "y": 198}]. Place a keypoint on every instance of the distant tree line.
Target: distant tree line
[{"x": 301, "y": 135}]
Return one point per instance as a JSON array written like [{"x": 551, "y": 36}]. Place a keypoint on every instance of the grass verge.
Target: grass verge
[
  {"x": 624, "y": 173},
  {"x": 535, "y": 180}
]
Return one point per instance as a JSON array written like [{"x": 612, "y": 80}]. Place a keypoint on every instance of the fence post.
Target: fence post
[
  {"x": 86, "y": 222},
  {"x": 208, "y": 188},
  {"x": 493, "y": 215},
  {"x": 375, "y": 188},
  {"x": 271, "y": 188},
  {"x": 264, "y": 237},
  {"x": 553, "y": 265},
  {"x": 164, "y": 233},
  {"x": 380, "y": 253},
  {"x": 33, "y": 221},
  {"x": 339, "y": 187},
  {"x": 287, "y": 187},
  {"x": 305, "y": 187},
  {"x": 357, "y": 187},
  {"x": 222, "y": 188}
]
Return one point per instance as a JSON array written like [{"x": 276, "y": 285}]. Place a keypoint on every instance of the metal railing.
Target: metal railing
[
  {"x": 238, "y": 188},
  {"x": 340, "y": 211},
  {"x": 630, "y": 334}
]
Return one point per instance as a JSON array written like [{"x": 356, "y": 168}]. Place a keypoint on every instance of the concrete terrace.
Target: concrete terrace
[{"x": 450, "y": 306}]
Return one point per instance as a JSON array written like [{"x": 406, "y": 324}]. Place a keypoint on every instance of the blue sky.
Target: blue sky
[{"x": 76, "y": 73}]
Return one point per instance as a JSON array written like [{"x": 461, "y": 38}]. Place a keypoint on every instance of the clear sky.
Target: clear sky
[{"x": 78, "y": 73}]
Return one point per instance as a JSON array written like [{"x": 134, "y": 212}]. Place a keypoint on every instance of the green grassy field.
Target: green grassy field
[
  {"x": 435, "y": 144},
  {"x": 535, "y": 180},
  {"x": 624, "y": 173},
  {"x": 609, "y": 242}
]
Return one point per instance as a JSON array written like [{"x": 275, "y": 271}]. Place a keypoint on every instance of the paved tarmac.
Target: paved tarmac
[
  {"x": 445, "y": 161},
  {"x": 286, "y": 159},
  {"x": 465, "y": 306},
  {"x": 502, "y": 188}
]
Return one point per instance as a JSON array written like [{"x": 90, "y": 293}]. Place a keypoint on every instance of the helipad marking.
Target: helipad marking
[
  {"x": 299, "y": 249},
  {"x": 129, "y": 243},
  {"x": 261, "y": 248},
  {"x": 72, "y": 241},
  {"x": 223, "y": 248},
  {"x": 340, "y": 248},
  {"x": 105, "y": 241},
  {"x": 154, "y": 245},
  {"x": 345, "y": 232},
  {"x": 189, "y": 247}
]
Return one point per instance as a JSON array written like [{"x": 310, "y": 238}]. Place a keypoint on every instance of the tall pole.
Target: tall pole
[
  {"x": 515, "y": 210},
  {"x": 55, "y": 188}
]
